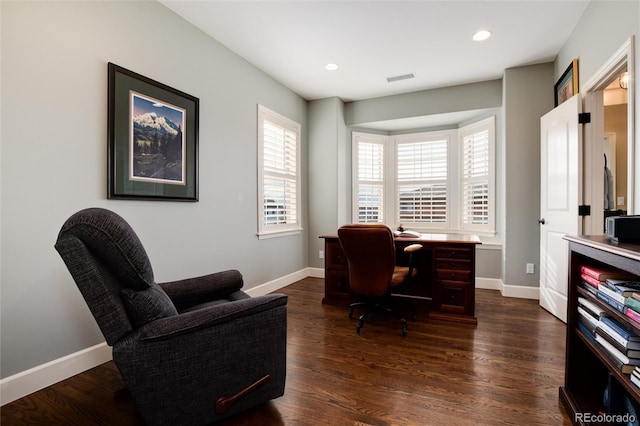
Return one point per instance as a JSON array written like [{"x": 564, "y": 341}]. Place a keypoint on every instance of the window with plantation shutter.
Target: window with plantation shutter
[
  {"x": 477, "y": 176},
  {"x": 278, "y": 174},
  {"x": 369, "y": 178},
  {"x": 422, "y": 182},
  {"x": 441, "y": 181}
]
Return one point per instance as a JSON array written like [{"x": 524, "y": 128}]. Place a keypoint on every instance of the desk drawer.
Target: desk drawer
[
  {"x": 453, "y": 275},
  {"x": 335, "y": 257},
  {"x": 456, "y": 264},
  {"x": 336, "y": 284},
  {"x": 456, "y": 297},
  {"x": 453, "y": 252}
]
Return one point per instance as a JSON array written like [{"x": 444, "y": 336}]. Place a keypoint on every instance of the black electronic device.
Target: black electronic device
[{"x": 623, "y": 228}]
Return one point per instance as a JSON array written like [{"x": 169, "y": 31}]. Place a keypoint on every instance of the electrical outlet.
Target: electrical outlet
[
  {"x": 530, "y": 268},
  {"x": 321, "y": 254}
]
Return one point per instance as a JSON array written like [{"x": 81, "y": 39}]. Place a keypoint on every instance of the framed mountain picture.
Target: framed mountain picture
[
  {"x": 567, "y": 85},
  {"x": 153, "y": 139}
]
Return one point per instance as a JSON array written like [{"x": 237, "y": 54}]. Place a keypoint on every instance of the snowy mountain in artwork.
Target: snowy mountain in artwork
[{"x": 151, "y": 121}]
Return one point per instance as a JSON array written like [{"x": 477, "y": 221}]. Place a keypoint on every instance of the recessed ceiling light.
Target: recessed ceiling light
[
  {"x": 331, "y": 67},
  {"x": 482, "y": 35}
]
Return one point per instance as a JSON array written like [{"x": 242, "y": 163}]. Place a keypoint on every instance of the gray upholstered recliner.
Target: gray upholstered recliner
[{"x": 190, "y": 352}]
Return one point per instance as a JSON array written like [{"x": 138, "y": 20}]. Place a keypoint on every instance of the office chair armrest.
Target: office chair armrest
[
  {"x": 207, "y": 287},
  {"x": 413, "y": 248},
  {"x": 191, "y": 322}
]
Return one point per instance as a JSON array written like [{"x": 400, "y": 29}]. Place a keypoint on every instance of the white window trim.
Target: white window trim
[
  {"x": 277, "y": 230},
  {"x": 454, "y": 179}
]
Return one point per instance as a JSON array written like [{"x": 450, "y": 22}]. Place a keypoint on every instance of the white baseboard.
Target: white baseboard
[
  {"x": 41, "y": 376},
  {"x": 520, "y": 292},
  {"x": 516, "y": 291},
  {"x": 278, "y": 283},
  {"x": 489, "y": 283}
]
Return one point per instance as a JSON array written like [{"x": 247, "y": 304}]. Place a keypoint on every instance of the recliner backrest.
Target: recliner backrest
[
  {"x": 371, "y": 257},
  {"x": 104, "y": 255}
]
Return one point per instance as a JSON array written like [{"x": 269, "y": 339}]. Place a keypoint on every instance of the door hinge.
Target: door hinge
[
  {"x": 584, "y": 210},
  {"x": 584, "y": 118}
]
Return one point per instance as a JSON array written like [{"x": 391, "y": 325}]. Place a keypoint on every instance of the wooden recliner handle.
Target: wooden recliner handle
[{"x": 224, "y": 403}]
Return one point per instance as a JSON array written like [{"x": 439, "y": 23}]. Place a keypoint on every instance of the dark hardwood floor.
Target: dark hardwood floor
[{"x": 507, "y": 371}]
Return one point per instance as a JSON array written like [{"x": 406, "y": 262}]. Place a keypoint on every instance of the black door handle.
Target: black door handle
[{"x": 541, "y": 221}]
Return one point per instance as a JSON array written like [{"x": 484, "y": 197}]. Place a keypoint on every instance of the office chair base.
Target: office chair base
[{"x": 379, "y": 307}]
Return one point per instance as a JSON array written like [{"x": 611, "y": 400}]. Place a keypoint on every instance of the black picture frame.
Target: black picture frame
[
  {"x": 153, "y": 139},
  {"x": 567, "y": 84}
]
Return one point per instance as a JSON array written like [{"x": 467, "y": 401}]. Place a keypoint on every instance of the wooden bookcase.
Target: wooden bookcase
[{"x": 587, "y": 368}]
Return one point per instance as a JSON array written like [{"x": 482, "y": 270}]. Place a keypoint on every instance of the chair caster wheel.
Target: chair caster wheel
[{"x": 358, "y": 329}]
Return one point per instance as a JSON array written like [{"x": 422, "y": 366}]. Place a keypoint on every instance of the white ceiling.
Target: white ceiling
[{"x": 371, "y": 40}]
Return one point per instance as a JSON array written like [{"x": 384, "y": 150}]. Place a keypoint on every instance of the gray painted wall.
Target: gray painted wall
[
  {"x": 528, "y": 95},
  {"x": 604, "y": 27},
  {"x": 328, "y": 187},
  {"x": 466, "y": 97},
  {"x": 54, "y": 157}
]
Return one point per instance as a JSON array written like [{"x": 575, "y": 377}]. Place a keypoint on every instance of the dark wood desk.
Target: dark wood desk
[{"x": 445, "y": 281}]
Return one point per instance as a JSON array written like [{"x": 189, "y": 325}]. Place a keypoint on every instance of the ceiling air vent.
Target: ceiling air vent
[{"x": 401, "y": 77}]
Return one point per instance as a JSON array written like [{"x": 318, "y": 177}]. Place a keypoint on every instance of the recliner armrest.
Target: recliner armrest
[
  {"x": 207, "y": 287},
  {"x": 167, "y": 328}
]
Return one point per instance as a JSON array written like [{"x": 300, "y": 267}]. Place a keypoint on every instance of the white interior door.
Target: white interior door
[{"x": 560, "y": 196}]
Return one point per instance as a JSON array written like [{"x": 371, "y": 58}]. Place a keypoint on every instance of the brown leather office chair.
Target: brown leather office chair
[{"x": 373, "y": 273}]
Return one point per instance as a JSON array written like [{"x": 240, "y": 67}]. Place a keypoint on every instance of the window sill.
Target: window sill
[{"x": 276, "y": 234}]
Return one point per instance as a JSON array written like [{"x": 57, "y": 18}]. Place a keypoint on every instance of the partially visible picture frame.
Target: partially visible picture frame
[
  {"x": 567, "y": 85},
  {"x": 153, "y": 139}
]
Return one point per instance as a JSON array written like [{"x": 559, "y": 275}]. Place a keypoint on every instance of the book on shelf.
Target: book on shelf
[
  {"x": 589, "y": 321},
  {"x": 591, "y": 289},
  {"x": 591, "y": 281},
  {"x": 620, "y": 307},
  {"x": 602, "y": 274},
  {"x": 633, "y": 302},
  {"x": 619, "y": 365},
  {"x": 620, "y": 333},
  {"x": 623, "y": 287},
  {"x": 612, "y": 294},
  {"x": 630, "y": 353},
  {"x": 635, "y": 380},
  {"x": 625, "y": 360},
  {"x": 587, "y": 333},
  {"x": 621, "y": 329},
  {"x": 630, "y": 313},
  {"x": 591, "y": 307}
]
